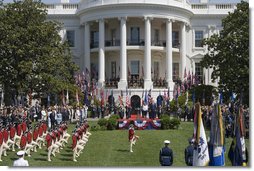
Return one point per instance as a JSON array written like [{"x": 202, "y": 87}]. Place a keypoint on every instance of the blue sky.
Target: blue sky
[{"x": 196, "y": 1}]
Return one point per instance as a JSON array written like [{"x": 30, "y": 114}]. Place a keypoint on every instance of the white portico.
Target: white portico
[{"x": 139, "y": 44}]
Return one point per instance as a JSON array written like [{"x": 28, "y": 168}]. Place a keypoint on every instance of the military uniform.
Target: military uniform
[
  {"x": 49, "y": 145},
  {"x": 21, "y": 161},
  {"x": 132, "y": 137},
  {"x": 166, "y": 155}
]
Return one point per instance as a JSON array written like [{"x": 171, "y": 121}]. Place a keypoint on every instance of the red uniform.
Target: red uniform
[
  {"x": 40, "y": 132},
  {"x": 49, "y": 140},
  {"x": 5, "y": 135},
  {"x": 53, "y": 137},
  {"x": 19, "y": 128},
  {"x": 35, "y": 134},
  {"x": 131, "y": 133},
  {"x": 29, "y": 137},
  {"x": 44, "y": 126},
  {"x": 1, "y": 138},
  {"x": 57, "y": 133},
  {"x": 24, "y": 126},
  {"x": 12, "y": 132},
  {"x": 23, "y": 142},
  {"x": 74, "y": 141}
]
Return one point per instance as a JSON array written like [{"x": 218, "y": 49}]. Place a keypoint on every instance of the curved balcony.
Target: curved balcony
[
  {"x": 85, "y": 4},
  {"x": 138, "y": 42}
]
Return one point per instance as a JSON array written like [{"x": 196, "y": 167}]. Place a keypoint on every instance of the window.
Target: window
[
  {"x": 113, "y": 69},
  {"x": 70, "y": 35},
  {"x": 113, "y": 36},
  {"x": 198, "y": 73},
  {"x": 134, "y": 68},
  {"x": 156, "y": 35},
  {"x": 156, "y": 70},
  {"x": 94, "y": 39},
  {"x": 199, "y": 38},
  {"x": 175, "y": 71},
  {"x": 134, "y": 35},
  {"x": 175, "y": 39}
]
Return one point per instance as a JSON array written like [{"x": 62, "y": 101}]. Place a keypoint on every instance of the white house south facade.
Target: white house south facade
[{"x": 140, "y": 44}]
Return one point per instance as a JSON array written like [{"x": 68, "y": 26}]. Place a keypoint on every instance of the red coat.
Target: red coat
[
  {"x": 5, "y": 135},
  {"x": 29, "y": 137},
  {"x": 19, "y": 129},
  {"x": 49, "y": 140},
  {"x": 23, "y": 142},
  {"x": 131, "y": 133},
  {"x": 24, "y": 126},
  {"x": 74, "y": 141},
  {"x": 35, "y": 134},
  {"x": 53, "y": 136},
  {"x": 12, "y": 132},
  {"x": 44, "y": 126},
  {"x": 1, "y": 138},
  {"x": 40, "y": 132}
]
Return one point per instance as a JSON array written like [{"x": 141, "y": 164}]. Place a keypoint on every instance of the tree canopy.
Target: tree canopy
[
  {"x": 33, "y": 56},
  {"x": 228, "y": 52}
]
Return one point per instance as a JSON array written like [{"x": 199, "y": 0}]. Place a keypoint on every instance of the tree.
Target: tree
[
  {"x": 33, "y": 56},
  {"x": 228, "y": 52}
]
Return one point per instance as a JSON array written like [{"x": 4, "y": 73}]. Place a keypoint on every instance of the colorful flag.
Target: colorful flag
[
  {"x": 217, "y": 144},
  {"x": 200, "y": 153}
]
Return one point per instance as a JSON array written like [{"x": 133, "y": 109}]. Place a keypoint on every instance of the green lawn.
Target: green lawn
[{"x": 111, "y": 148}]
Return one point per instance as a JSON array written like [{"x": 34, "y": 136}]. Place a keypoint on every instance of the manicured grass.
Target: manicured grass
[{"x": 111, "y": 148}]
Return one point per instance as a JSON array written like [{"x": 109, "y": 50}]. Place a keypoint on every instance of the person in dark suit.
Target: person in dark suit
[
  {"x": 166, "y": 155},
  {"x": 52, "y": 117},
  {"x": 188, "y": 153}
]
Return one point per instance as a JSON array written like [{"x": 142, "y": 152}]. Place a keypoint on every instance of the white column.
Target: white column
[
  {"x": 169, "y": 54},
  {"x": 87, "y": 46},
  {"x": 148, "y": 84},
  {"x": 183, "y": 50},
  {"x": 101, "y": 53},
  {"x": 123, "y": 55}
]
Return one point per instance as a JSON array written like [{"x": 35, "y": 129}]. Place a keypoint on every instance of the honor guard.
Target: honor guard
[
  {"x": 166, "y": 155},
  {"x": 132, "y": 137},
  {"x": 49, "y": 144}
]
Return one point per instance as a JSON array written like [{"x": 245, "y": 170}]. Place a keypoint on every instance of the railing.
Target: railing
[
  {"x": 140, "y": 42},
  {"x": 50, "y": 6},
  {"x": 70, "y": 6},
  {"x": 112, "y": 82},
  {"x": 109, "y": 43},
  {"x": 84, "y": 4},
  {"x": 94, "y": 45},
  {"x": 159, "y": 43},
  {"x": 224, "y": 6},
  {"x": 199, "y": 6},
  {"x": 137, "y": 42}
]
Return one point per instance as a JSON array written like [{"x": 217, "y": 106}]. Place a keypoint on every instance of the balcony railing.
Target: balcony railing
[
  {"x": 84, "y": 4},
  {"x": 109, "y": 43},
  {"x": 140, "y": 42},
  {"x": 159, "y": 82}
]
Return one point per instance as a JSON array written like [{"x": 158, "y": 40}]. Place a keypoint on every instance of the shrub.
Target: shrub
[
  {"x": 115, "y": 116},
  {"x": 174, "y": 123},
  {"x": 103, "y": 128},
  {"x": 167, "y": 123},
  {"x": 102, "y": 122},
  {"x": 165, "y": 120},
  {"x": 112, "y": 122},
  {"x": 95, "y": 128}
]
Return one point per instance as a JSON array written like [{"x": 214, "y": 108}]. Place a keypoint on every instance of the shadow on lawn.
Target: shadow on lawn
[
  {"x": 121, "y": 150},
  {"x": 66, "y": 154},
  {"x": 65, "y": 159},
  {"x": 41, "y": 159}
]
